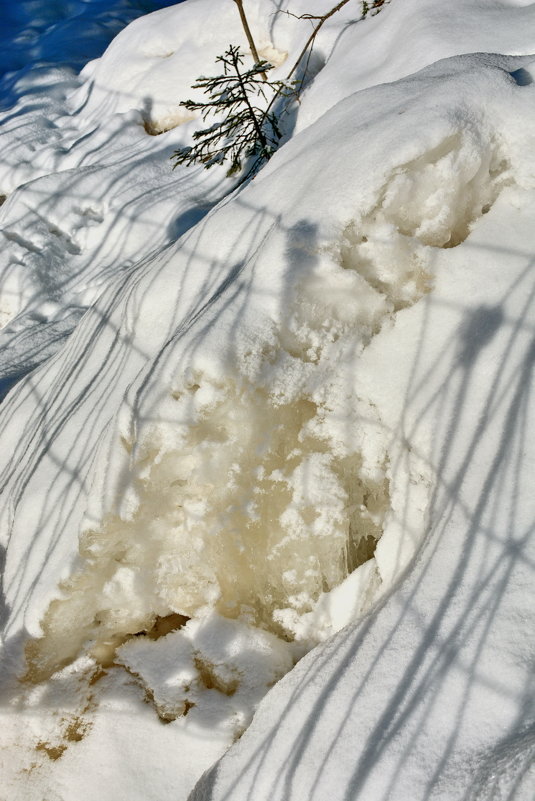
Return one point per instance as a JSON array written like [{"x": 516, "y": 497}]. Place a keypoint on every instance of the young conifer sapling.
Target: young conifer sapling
[{"x": 244, "y": 130}]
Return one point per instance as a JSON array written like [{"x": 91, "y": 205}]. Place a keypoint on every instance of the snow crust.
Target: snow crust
[{"x": 259, "y": 418}]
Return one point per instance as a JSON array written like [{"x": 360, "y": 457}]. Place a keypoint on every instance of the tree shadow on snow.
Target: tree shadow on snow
[{"x": 377, "y": 687}]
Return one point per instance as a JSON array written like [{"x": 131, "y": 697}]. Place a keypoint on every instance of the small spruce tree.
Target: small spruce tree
[{"x": 245, "y": 130}]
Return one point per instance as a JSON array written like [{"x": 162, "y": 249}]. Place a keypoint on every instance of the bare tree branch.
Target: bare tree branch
[{"x": 249, "y": 35}]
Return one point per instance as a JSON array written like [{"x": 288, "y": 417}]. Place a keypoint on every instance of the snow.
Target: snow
[{"x": 267, "y": 449}]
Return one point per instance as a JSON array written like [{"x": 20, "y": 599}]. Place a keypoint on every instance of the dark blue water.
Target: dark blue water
[{"x": 63, "y": 32}]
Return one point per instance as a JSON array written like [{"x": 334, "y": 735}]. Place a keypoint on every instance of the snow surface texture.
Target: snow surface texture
[{"x": 261, "y": 409}]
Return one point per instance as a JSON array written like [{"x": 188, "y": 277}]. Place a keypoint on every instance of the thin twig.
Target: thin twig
[
  {"x": 314, "y": 33},
  {"x": 309, "y": 42}
]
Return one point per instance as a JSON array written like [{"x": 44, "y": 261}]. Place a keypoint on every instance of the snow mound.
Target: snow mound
[
  {"x": 259, "y": 475},
  {"x": 153, "y": 63},
  {"x": 251, "y": 431}
]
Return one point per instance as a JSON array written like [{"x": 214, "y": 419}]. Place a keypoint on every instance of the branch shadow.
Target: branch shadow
[{"x": 380, "y": 685}]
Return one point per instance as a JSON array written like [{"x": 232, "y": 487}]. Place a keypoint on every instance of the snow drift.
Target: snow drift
[
  {"x": 249, "y": 479},
  {"x": 253, "y": 430}
]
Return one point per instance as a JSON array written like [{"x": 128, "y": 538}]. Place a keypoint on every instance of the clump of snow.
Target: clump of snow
[
  {"x": 431, "y": 201},
  {"x": 212, "y": 667}
]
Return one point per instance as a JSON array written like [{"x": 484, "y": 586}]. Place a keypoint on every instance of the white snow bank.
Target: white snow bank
[
  {"x": 251, "y": 467},
  {"x": 70, "y": 211},
  {"x": 410, "y": 35},
  {"x": 71, "y": 144},
  {"x": 194, "y": 484},
  {"x": 263, "y": 418},
  {"x": 431, "y": 696},
  {"x": 152, "y": 65}
]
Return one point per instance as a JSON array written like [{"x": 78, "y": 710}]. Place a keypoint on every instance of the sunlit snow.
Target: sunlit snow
[{"x": 267, "y": 447}]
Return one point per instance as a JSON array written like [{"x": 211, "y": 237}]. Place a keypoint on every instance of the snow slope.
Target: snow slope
[{"x": 266, "y": 416}]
